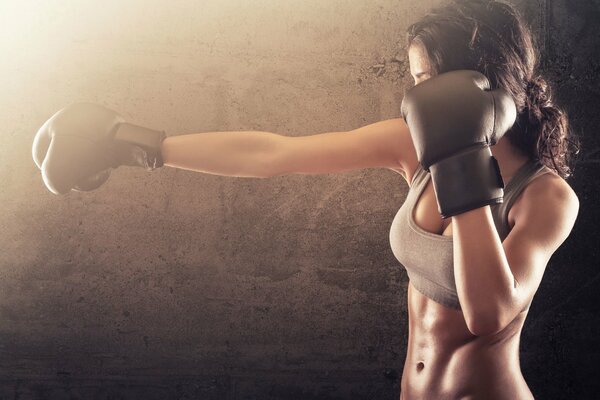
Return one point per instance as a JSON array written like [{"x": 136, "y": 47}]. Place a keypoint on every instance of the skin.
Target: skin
[{"x": 471, "y": 353}]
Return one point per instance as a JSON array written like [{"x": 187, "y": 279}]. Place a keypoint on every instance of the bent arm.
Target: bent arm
[{"x": 384, "y": 144}]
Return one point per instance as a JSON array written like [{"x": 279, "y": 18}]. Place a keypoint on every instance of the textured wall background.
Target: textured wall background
[{"x": 192, "y": 286}]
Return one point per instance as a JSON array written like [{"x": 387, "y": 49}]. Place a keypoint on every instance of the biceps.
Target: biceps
[
  {"x": 527, "y": 262},
  {"x": 385, "y": 144},
  {"x": 528, "y": 250}
]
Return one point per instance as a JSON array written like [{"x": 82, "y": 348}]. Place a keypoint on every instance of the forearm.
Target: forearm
[
  {"x": 238, "y": 153},
  {"x": 484, "y": 280}
]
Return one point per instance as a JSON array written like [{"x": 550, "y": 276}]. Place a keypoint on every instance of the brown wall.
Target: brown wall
[{"x": 176, "y": 284}]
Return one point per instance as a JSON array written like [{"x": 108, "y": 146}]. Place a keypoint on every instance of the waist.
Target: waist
[
  {"x": 480, "y": 370},
  {"x": 445, "y": 360}
]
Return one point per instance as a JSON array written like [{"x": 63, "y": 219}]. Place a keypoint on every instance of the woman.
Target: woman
[
  {"x": 446, "y": 357},
  {"x": 472, "y": 276}
]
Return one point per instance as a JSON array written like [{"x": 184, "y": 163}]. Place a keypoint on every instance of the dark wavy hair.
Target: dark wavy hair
[{"x": 492, "y": 37}]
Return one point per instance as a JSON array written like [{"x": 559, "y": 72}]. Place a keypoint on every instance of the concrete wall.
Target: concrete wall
[{"x": 181, "y": 285}]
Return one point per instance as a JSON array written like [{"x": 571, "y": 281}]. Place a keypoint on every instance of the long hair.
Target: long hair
[{"x": 491, "y": 37}]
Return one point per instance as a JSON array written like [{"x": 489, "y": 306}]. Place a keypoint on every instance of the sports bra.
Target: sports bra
[{"x": 428, "y": 257}]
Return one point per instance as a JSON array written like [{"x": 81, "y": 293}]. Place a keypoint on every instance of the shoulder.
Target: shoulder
[
  {"x": 547, "y": 200},
  {"x": 551, "y": 188}
]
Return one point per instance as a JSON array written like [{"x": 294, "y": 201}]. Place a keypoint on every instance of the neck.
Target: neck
[{"x": 510, "y": 159}]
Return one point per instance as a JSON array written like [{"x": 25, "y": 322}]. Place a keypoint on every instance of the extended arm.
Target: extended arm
[
  {"x": 77, "y": 148},
  {"x": 384, "y": 144}
]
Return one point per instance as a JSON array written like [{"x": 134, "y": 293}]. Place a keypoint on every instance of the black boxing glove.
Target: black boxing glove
[
  {"x": 80, "y": 144},
  {"x": 453, "y": 120}
]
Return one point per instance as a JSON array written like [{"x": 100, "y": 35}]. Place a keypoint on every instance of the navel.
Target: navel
[{"x": 420, "y": 366}]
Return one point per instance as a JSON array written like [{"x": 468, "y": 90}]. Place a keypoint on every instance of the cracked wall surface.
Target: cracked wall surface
[{"x": 182, "y": 285}]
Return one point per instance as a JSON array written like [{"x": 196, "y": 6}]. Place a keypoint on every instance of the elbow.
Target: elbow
[
  {"x": 268, "y": 166},
  {"x": 272, "y": 173},
  {"x": 483, "y": 324},
  {"x": 484, "y": 330},
  {"x": 274, "y": 163},
  {"x": 491, "y": 318}
]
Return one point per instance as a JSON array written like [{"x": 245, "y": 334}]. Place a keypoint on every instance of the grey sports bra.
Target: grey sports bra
[{"x": 428, "y": 257}]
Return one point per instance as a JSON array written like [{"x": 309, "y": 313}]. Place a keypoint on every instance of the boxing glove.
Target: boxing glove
[
  {"x": 453, "y": 119},
  {"x": 77, "y": 148}
]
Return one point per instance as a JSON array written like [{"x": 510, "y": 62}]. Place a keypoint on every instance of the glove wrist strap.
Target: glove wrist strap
[
  {"x": 467, "y": 180},
  {"x": 146, "y": 144}
]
